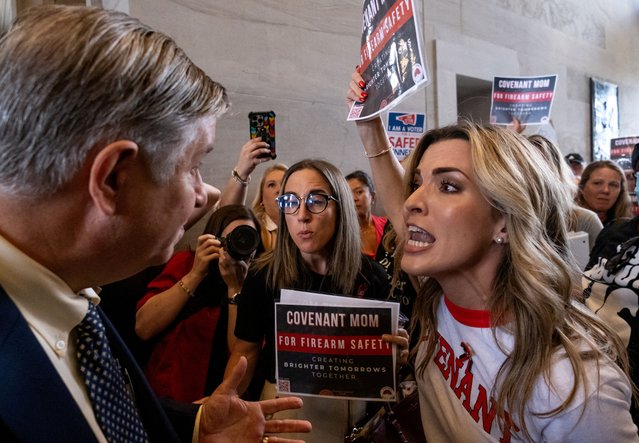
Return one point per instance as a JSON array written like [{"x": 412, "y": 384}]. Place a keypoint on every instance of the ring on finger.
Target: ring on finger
[{"x": 265, "y": 439}]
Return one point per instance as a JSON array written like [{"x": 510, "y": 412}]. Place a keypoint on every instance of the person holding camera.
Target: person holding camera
[
  {"x": 318, "y": 248},
  {"x": 189, "y": 309}
]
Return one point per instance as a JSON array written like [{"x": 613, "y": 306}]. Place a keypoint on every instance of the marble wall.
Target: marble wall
[{"x": 295, "y": 57}]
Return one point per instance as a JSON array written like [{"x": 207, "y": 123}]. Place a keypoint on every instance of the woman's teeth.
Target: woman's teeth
[{"x": 419, "y": 237}]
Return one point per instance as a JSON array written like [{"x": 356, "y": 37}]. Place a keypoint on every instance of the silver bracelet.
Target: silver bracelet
[{"x": 239, "y": 179}]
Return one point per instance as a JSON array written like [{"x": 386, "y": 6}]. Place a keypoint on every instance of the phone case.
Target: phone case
[{"x": 262, "y": 124}]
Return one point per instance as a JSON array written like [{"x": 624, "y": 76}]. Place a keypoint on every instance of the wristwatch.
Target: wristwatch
[{"x": 233, "y": 299}]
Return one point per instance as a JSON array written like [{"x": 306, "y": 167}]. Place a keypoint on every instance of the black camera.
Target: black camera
[{"x": 241, "y": 242}]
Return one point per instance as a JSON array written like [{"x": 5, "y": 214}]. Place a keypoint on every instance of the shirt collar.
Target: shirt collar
[
  {"x": 269, "y": 224},
  {"x": 469, "y": 317},
  {"x": 49, "y": 305}
]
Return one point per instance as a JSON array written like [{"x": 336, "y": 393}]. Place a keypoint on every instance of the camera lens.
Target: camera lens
[{"x": 241, "y": 242}]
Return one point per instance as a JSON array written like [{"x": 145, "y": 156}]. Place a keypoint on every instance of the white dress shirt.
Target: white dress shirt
[{"x": 52, "y": 310}]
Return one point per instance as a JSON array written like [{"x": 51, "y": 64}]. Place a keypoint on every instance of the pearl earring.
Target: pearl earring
[{"x": 499, "y": 240}]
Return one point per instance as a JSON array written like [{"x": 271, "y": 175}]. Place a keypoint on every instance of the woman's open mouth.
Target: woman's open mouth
[{"x": 418, "y": 237}]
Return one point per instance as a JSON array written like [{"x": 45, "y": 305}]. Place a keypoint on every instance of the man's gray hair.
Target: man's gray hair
[{"x": 74, "y": 78}]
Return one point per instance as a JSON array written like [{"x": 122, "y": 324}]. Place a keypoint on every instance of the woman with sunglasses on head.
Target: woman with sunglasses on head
[
  {"x": 508, "y": 351},
  {"x": 317, "y": 249}
]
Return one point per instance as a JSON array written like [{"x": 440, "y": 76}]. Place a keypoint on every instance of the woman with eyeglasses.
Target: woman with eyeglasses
[{"x": 318, "y": 249}]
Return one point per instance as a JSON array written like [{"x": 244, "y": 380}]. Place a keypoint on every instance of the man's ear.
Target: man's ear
[{"x": 109, "y": 170}]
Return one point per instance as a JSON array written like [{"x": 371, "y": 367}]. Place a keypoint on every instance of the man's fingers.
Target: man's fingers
[
  {"x": 287, "y": 425},
  {"x": 280, "y": 404},
  {"x": 276, "y": 439},
  {"x": 274, "y": 426}
]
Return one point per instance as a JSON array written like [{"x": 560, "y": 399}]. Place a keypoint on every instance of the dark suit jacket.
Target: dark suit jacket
[{"x": 36, "y": 406}]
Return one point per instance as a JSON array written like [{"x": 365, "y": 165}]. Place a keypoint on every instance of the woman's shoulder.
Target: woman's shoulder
[
  {"x": 379, "y": 221},
  {"x": 604, "y": 387},
  {"x": 371, "y": 267},
  {"x": 257, "y": 274},
  {"x": 586, "y": 215}
]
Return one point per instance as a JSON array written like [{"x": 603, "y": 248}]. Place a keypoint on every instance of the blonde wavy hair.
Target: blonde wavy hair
[
  {"x": 554, "y": 157},
  {"x": 533, "y": 294}
]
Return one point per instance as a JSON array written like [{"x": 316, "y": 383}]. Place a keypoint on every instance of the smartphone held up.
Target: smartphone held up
[{"x": 262, "y": 124}]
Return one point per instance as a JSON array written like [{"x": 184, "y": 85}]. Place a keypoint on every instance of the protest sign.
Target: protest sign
[
  {"x": 404, "y": 131},
  {"x": 529, "y": 99},
  {"x": 621, "y": 150},
  {"x": 335, "y": 350},
  {"x": 391, "y": 60}
]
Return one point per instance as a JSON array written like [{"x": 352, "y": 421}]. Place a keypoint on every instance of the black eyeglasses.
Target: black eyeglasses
[{"x": 315, "y": 202}]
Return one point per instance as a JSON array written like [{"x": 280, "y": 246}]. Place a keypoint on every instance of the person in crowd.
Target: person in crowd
[
  {"x": 252, "y": 154},
  {"x": 402, "y": 286},
  {"x": 610, "y": 286},
  {"x": 371, "y": 226},
  {"x": 190, "y": 308},
  {"x": 122, "y": 310},
  {"x": 615, "y": 234},
  {"x": 104, "y": 123},
  {"x": 580, "y": 219},
  {"x": 610, "y": 289},
  {"x": 508, "y": 351},
  {"x": 265, "y": 204},
  {"x": 602, "y": 189},
  {"x": 317, "y": 249},
  {"x": 631, "y": 181},
  {"x": 577, "y": 164}
]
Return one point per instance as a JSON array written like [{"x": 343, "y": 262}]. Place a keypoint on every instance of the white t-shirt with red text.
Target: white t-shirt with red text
[{"x": 455, "y": 389}]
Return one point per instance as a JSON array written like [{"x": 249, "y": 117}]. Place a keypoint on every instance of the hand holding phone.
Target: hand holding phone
[{"x": 262, "y": 124}]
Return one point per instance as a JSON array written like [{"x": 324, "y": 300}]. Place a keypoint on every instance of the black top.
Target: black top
[
  {"x": 256, "y": 305},
  {"x": 612, "y": 236},
  {"x": 404, "y": 292}
]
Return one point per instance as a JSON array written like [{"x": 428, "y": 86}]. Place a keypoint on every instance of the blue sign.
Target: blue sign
[{"x": 402, "y": 122}]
